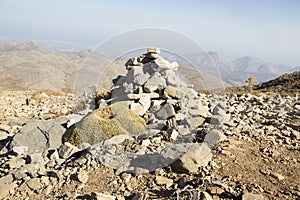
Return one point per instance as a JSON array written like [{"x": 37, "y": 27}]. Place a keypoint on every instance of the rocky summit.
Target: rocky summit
[{"x": 152, "y": 136}]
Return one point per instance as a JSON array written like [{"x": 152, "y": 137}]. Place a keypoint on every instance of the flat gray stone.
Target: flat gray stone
[
  {"x": 196, "y": 155},
  {"x": 214, "y": 136},
  {"x": 174, "y": 92},
  {"x": 118, "y": 139},
  {"x": 155, "y": 82},
  {"x": 194, "y": 122},
  {"x": 134, "y": 71},
  {"x": 43, "y": 134},
  {"x": 67, "y": 149},
  {"x": 165, "y": 112},
  {"x": 140, "y": 78},
  {"x": 173, "y": 79}
]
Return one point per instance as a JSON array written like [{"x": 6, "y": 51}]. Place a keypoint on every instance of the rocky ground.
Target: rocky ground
[{"x": 246, "y": 147}]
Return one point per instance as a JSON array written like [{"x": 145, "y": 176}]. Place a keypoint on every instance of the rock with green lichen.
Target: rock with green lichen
[{"x": 103, "y": 123}]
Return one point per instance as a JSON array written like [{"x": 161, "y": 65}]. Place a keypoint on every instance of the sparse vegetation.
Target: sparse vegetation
[
  {"x": 105, "y": 122},
  {"x": 251, "y": 81},
  {"x": 42, "y": 94}
]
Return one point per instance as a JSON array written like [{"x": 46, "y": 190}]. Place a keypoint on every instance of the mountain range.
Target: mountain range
[
  {"x": 28, "y": 65},
  {"x": 235, "y": 72}
]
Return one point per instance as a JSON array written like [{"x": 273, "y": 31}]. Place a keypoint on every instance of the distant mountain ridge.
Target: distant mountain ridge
[
  {"x": 237, "y": 71},
  {"x": 30, "y": 66}
]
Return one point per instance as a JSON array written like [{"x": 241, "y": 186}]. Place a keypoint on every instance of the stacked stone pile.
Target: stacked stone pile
[{"x": 153, "y": 90}]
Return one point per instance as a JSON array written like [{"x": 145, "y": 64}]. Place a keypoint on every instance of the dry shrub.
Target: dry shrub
[{"x": 38, "y": 95}]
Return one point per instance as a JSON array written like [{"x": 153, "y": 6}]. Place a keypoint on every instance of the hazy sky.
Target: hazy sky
[{"x": 268, "y": 29}]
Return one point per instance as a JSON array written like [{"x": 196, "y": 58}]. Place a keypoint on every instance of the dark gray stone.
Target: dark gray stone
[
  {"x": 165, "y": 112},
  {"x": 188, "y": 156},
  {"x": 40, "y": 135},
  {"x": 140, "y": 78},
  {"x": 214, "y": 136},
  {"x": 155, "y": 82}
]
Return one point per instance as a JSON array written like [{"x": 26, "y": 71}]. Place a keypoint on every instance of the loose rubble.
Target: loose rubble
[{"x": 192, "y": 145}]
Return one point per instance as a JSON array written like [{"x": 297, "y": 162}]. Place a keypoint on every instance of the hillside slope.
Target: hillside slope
[{"x": 285, "y": 84}]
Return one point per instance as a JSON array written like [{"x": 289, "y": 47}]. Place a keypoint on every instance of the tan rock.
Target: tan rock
[
  {"x": 83, "y": 176},
  {"x": 153, "y": 50},
  {"x": 161, "y": 180}
]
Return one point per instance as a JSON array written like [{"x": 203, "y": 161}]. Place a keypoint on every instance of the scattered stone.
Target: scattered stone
[
  {"x": 205, "y": 196},
  {"x": 146, "y": 142},
  {"x": 216, "y": 190},
  {"x": 194, "y": 122},
  {"x": 118, "y": 139},
  {"x": 5, "y": 189},
  {"x": 43, "y": 134},
  {"x": 126, "y": 177},
  {"x": 35, "y": 158},
  {"x": 214, "y": 136},
  {"x": 174, "y": 134},
  {"x": 20, "y": 150},
  {"x": 155, "y": 82},
  {"x": 82, "y": 176},
  {"x": 161, "y": 180},
  {"x": 173, "y": 114},
  {"x": 8, "y": 179},
  {"x": 165, "y": 112},
  {"x": 250, "y": 196},
  {"x": 47, "y": 190},
  {"x": 196, "y": 156},
  {"x": 173, "y": 92},
  {"x": 102, "y": 196},
  {"x": 15, "y": 162},
  {"x": 34, "y": 184},
  {"x": 67, "y": 149},
  {"x": 296, "y": 135},
  {"x": 140, "y": 196},
  {"x": 278, "y": 176}
]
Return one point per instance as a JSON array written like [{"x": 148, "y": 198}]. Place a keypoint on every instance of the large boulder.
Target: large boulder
[
  {"x": 105, "y": 122},
  {"x": 40, "y": 135}
]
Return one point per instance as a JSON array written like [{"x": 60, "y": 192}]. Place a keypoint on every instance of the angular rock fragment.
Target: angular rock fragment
[
  {"x": 102, "y": 196},
  {"x": 67, "y": 149},
  {"x": 189, "y": 157},
  {"x": 214, "y": 136}
]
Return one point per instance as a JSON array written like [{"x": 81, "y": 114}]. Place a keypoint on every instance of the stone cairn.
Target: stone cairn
[{"x": 153, "y": 90}]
